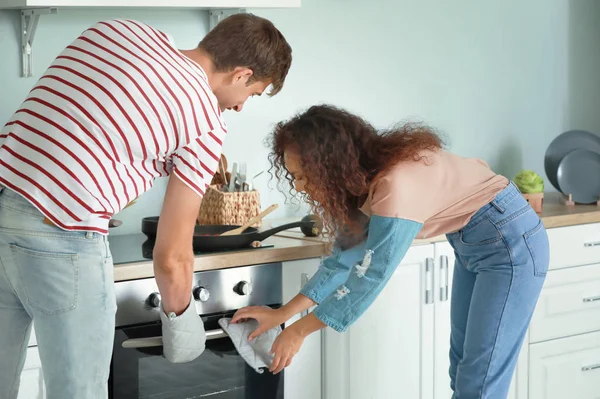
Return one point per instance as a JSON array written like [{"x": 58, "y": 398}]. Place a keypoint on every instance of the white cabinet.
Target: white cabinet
[
  {"x": 444, "y": 270},
  {"x": 151, "y": 3},
  {"x": 32, "y": 379},
  {"x": 389, "y": 351},
  {"x": 566, "y": 368},
  {"x": 302, "y": 379}
]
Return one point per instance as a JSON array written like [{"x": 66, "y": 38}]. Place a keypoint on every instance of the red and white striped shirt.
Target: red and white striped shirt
[{"x": 118, "y": 108}]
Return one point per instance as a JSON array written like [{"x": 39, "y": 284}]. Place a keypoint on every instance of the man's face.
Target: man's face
[{"x": 235, "y": 91}]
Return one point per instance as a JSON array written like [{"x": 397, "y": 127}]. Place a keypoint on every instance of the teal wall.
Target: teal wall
[{"x": 499, "y": 79}]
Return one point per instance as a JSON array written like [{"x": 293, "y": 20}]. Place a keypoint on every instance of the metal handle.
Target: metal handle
[
  {"x": 428, "y": 281},
  {"x": 303, "y": 281},
  {"x": 591, "y": 299},
  {"x": 590, "y": 368},
  {"x": 592, "y": 244},
  {"x": 149, "y": 342},
  {"x": 444, "y": 270}
]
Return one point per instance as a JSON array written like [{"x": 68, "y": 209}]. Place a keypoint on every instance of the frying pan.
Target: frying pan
[
  {"x": 208, "y": 237},
  {"x": 562, "y": 145}
]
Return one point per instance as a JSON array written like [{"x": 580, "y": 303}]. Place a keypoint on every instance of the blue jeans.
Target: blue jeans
[
  {"x": 63, "y": 282},
  {"x": 502, "y": 258}
]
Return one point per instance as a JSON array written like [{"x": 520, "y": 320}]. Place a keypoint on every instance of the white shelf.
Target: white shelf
[{"x": 198, "y": 4}]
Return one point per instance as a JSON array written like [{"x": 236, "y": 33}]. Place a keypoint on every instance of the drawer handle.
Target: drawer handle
[
  {"x": 592, "y": 299},
  {"x": 592, "y": 244},
  {"x": 590, "y": 368}
]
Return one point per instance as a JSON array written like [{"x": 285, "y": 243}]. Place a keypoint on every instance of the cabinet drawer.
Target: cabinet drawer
[
  {"x": 565, "y": 368},
  {"x": 574, "y": 245},
  {"x": 569, "y": 304}
]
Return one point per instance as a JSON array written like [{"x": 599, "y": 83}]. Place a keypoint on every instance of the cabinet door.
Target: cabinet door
[
  {"x": 32, "y": 379},
  {"x": 444, "y": 270},
  {"x": 565, "y": 368},
  {"x": 388, "y": 352},
  {"x": 302, "y": 379}
]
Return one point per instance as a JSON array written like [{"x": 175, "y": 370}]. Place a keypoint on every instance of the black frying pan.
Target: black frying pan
[{"x": 208, "y": 237}]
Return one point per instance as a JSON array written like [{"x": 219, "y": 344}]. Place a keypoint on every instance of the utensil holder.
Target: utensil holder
[
  {"x": 568, "y": 200},
  {"x": 536, "y": 200},
  {"x": 229, "y": 208}
]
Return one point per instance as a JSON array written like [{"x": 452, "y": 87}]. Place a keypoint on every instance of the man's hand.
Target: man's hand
[{"x": 173, "y": 254}]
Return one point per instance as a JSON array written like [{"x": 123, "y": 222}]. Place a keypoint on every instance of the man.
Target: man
[{"x": 118, "y": 108}]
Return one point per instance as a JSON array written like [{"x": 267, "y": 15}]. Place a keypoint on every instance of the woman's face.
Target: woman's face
[{"x": 293, "y": 163}]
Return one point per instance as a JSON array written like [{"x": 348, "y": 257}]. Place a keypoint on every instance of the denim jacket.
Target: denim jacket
[{"x": 347, "y": 282}]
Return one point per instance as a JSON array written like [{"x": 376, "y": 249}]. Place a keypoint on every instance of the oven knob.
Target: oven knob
[
  {"x": 243, "y": 288},
  {"x": 201, "y": 294},
  {"x": 153, "y": 300}
]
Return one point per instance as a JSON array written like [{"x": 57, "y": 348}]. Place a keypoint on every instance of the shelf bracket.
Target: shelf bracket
[
  {"x": 29, "y": 21},
  {"x": 217, "y": 15}
]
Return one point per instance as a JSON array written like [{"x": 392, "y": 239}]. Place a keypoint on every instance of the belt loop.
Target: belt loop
[{"x": 89, "y": 235}]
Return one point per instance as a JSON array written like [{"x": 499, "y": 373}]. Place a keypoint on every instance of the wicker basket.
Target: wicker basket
[{"x": 236, "y": 208}]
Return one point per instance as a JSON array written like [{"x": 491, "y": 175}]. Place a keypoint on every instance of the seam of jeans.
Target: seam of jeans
[{"x": 494, "y": 347}]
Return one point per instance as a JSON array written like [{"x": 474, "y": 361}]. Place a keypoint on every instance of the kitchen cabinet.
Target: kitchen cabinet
[
  {"x": 302, "y": 379},
  {"x": 150, "y": 3},
  {"x": 32, "y": 378},
  {"x": 443, "y": 272},
  {"x": 389, "y": 351},
  {"x": 566, "y": 368}
]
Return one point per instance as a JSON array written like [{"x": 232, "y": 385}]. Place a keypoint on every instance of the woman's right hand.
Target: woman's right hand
[{"x": 267, "y": 318}]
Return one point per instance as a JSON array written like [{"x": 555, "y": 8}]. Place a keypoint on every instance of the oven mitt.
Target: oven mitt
[
  {"x": 256, "y": 352},
  {"x": 183, "y": 336}
]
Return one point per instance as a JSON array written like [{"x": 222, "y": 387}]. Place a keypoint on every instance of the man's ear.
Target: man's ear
[{"x": 242, "y": 74}]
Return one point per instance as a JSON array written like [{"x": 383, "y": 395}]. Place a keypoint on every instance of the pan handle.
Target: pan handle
[{"x": 268, "y": 233}]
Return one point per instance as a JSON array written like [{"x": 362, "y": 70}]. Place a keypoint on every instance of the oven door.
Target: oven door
[{"x": 139, "y": 371}]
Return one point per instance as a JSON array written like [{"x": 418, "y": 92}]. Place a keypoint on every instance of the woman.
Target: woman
[{"x": 407, "y": 186}]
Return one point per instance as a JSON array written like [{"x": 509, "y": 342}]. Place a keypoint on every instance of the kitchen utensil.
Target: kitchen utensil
[
  {"x": 242, "y": 176},
  {"x": 223, "y": 170},
  {"x": 208, "y": 238},
  {"x": 579, "y": 175},
  {"x": 233, "y": 178},
  {"x": 563, "y": 145},
  {"x": 251, "y": 221},
  {"x": 251, "y": 185}
]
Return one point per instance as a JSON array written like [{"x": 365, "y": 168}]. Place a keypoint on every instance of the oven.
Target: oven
[{"x": 138, "y": 369}]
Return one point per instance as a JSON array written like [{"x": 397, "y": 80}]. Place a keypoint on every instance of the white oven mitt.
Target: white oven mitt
[
  {"x": 183, "y": 336},
  {"x": 256, "y": 352}
]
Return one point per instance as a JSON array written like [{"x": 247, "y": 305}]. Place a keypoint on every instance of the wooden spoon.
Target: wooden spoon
[{"x": 251, "y": 221}]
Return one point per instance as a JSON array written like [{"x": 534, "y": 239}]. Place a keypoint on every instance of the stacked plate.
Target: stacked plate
[{"x": 572, "y": 164}]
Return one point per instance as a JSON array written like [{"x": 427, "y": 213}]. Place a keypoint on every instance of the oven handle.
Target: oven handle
[{"x": 149, "y": 342}]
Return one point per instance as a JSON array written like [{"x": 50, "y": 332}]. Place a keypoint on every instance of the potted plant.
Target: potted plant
[{"x": 531, "y": 186}]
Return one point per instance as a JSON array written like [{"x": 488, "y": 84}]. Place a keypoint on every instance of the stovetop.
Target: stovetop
[{"x": 131, "y": 248}]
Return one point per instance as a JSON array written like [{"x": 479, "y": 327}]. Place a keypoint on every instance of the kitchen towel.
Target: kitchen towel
[
  {"x": 183, "y": 338},
  {"x": 255, "y": 352}
]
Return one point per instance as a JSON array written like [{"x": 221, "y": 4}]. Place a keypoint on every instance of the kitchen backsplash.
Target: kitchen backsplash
[{"x": 498, "y": 79}]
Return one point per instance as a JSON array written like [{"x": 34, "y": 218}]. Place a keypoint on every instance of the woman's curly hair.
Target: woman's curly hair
[{"x": 341, "y": 156}]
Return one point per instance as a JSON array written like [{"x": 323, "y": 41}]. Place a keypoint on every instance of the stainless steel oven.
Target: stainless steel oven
[{"x": 139, "y": 370}]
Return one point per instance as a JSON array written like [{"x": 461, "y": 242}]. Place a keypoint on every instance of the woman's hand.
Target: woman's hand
[
  {"x": 267, "y": 318},
  {"x": 285, "y": 347}
]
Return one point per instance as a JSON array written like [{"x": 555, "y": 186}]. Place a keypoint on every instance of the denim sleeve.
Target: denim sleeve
[
  {"x": 332, "y": 272},
  {"x": 388, "y": 241}
]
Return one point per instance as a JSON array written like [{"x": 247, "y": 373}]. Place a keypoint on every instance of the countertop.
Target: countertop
[
  {"x": 293, "y": 245},
  {"x": 283, "y": 249}
]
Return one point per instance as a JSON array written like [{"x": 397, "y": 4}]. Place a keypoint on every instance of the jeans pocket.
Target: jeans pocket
[
  {"x": 50, "y": 280},
  {"x": 539, "y": 248},
  {"x": 483, "y": 232}
]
